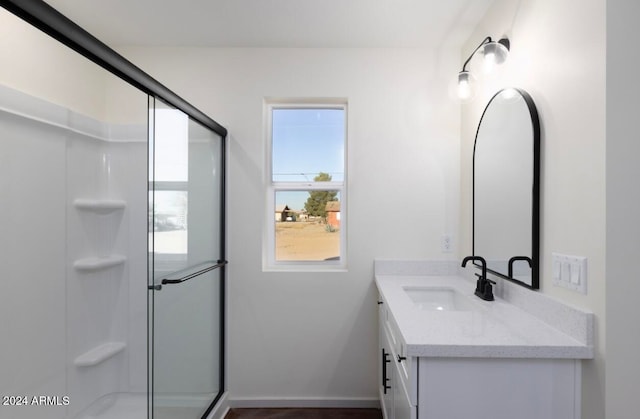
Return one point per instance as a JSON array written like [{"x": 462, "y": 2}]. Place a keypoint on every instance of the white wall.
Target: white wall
[
  {"x": 313, "y": 335},
  {"x": 34, "y": 312},
  {"x": 41, "y": 66},
  {"x": 76, "y": 83},
  {"x": 558, "y": 56},
  {"x": 623, "y": 209}
]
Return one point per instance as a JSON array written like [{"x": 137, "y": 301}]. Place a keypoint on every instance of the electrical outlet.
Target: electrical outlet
[{"x": 446, "y": 243}]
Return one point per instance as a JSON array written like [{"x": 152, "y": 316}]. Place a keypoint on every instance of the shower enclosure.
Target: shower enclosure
[{"x": 112, "y": 245}]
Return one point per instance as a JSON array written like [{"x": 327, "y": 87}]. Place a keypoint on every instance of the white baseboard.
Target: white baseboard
[
  {"x": 269, "y": 402},
  {"x": 221, "y": 408}
]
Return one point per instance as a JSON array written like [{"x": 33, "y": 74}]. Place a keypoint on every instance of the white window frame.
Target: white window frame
[{"x": 269, "y": 261}]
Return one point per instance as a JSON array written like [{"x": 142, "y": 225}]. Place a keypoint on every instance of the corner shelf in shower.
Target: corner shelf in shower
[
  {"x": 98, "y": 263},
  {"x": 100, "y": 206},
  {"x": 99, "y": 354}
]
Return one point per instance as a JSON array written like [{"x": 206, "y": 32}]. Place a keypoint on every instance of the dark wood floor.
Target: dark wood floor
[{"x": 296, "y": 413}]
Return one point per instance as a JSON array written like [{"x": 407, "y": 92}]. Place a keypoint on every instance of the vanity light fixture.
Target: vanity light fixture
[{"x": 495, "y": 52}]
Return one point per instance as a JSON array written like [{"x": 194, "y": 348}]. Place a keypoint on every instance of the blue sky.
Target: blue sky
[{"x": 305, "y": 143}]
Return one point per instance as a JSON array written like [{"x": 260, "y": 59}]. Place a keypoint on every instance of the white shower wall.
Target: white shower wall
[{"x": 57, "y": 312}]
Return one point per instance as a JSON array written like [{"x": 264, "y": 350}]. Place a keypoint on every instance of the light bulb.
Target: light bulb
[
  {"x": 464, "y": 90},
  {"x": 494, "y": 53},
  {"x": 465, "y": 85},
  {"x": 489, "y": 62}
]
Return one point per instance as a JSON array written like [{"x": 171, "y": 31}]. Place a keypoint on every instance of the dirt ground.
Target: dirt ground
[{"x": 302, "y": 240}]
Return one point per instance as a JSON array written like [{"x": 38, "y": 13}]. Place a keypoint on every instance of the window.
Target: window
[
  {"x": 306, "y": 186},
  {"x": 185, "y": 190},
  {"x": 169, "y": 199}
]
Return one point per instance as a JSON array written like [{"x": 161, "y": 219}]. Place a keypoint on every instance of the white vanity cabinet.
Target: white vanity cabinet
[
  {"x": 476, "y": 359},
  {"x": 453, "y": 388},
  {"x": 397, "y": 382}
]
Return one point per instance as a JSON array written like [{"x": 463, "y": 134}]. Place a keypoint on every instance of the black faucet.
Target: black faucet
[
  {"x": 515, "y": 259},
  {"x": 484, "y": 289}
]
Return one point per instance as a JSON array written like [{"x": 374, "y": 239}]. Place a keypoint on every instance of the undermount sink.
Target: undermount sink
[{"x": 438, "y": 299}]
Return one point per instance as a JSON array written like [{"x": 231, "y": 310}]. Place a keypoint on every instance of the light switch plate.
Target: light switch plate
[{"x": 569, "y": 272}]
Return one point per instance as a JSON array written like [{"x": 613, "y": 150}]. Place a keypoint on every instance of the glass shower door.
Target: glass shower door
[{"x": 186, "y": 265}]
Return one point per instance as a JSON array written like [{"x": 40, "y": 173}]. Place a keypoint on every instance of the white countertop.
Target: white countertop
[{"x": 496, "y": 329}]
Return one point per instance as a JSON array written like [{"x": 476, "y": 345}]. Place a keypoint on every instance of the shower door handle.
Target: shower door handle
[{"x": 189, "y": 273}]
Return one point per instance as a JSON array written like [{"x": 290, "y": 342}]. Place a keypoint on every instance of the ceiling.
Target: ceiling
[{"x": 276, "y": 23}]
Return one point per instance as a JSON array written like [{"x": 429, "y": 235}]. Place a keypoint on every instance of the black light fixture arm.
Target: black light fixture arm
[
  {"x": 485, "y": 41},
  {"x": 504, "y": 41}
]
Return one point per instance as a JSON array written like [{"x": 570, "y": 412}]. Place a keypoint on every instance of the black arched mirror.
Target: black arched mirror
[{"x": 506, "y": 187}]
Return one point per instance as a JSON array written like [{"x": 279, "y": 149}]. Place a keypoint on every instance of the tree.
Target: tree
[{"x": 317, "y": 202}]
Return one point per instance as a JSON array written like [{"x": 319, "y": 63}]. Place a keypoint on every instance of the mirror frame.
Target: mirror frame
[{"x": 535, "y": 193}]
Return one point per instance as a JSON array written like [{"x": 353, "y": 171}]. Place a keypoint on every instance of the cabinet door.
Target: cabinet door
[
  {"x": 386, "y": 369},
  {"x": 402, "y": 406},
  {"x": 403, "y": 409}
]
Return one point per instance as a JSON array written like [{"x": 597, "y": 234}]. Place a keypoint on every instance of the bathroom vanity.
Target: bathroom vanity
[{"x": 446, "y": 354}]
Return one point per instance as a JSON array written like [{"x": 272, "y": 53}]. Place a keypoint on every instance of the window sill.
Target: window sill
[{"x": 311, "y": 268}]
